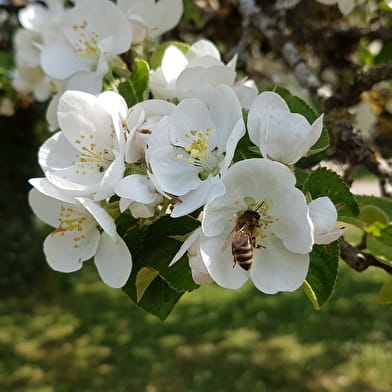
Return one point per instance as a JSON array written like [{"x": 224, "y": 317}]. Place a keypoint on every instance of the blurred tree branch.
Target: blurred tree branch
[{"x": 359, "y": 261}]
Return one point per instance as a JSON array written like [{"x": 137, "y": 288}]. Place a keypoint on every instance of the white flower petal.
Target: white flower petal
[
  {"x": 45, "y": 207},
  {"x": 165, "y": 15},
  {"x": 323, "y": 214},
  {"x": 346, "y": 6},
  {"x": 192, "y": 78},
  {"x": 202, "y": 48},
  {"x": 173, "y": 63},
  {"x": 281, "y": 135},
  {"x": 140, "y": 210},
  {"x": 327, "y": 238},
  {"x": 113, "y": 174},
  {"x": 100, "y": 215},
  {"x": 196, "y": 198},
  {"x": 276, "y": 269},
  {"x": 224, "y": 108},
  {"x": 219, "y": 262},
  {"x": 59, "y": 61},
  {"x": 75, "y": 111},
  {"x": 47, "y": 188},
  {"x": 189, "y": 241},
  {"x": 113, "y": 261},
  {"x": 136, "y": 187},
  {"x": 65, "y": 254}
]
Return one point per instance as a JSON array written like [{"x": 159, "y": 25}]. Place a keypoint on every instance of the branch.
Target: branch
[
  {"x": 359, "y": 261},
  {"x": 363, "y": 81},
  {"x": 351, "y": 148},
  {"x": 257, "y": 22}
]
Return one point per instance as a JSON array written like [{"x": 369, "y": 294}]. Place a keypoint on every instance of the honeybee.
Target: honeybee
[{"x": 243, "y": 238}]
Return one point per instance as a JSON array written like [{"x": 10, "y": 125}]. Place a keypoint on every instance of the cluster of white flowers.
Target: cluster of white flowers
[
  {"x": 72, "y": 48},
  {"x": 160, "y": 157}
]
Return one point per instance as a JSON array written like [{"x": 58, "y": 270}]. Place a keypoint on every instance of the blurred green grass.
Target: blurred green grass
[{"x": 82, "y": 336}]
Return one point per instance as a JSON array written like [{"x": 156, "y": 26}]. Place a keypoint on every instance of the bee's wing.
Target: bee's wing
[
  {"x": 235, "y": 233},
  {"x": 228, "y": 241}
]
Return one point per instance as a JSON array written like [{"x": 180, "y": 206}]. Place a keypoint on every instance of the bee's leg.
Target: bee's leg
[{"x": 258, "y": 246}]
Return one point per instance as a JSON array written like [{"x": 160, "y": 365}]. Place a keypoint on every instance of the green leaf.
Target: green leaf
[
  {"x": 246, "y": 149},
  {"x": 160, "y": 298},
  {"x": 297, "y": 105},
  {"x": 381, "y": 246},
  {"x": 135, "y": 89},
  {"x": 385, "y": 294},
  {"x": 6, "y": 62},
  {"x": 370, "y": 214},
  {"x": 162, "y": 232},
  {"x": 301, "y": 176},
  {"x": 382, "y": 203},
  {"x": 157, "y": 56},
  {"x": 144, "y": 278},
  {"x": 323, "y": 269},
  {"x": 324, "y": 182},
  {"x": 152, "y": 249}
]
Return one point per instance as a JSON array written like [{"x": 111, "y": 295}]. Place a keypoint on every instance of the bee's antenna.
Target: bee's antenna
[{"x": 260, "y": 205}]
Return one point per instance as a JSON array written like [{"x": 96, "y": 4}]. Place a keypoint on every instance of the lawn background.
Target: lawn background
[{"x": 76, "y": 334}]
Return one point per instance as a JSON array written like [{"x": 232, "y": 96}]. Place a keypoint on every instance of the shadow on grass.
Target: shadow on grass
[{"x": 89, "y": 338}]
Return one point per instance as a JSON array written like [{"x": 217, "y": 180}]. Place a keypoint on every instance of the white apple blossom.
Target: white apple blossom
[
  {"x": 345, "y": 6},
  {"x": 324, "y": 216},
  {"x": 141, "y": 120},
  {"x": 281, "y": 135},
  {"x": 91, "y": 34},
  {"x": 139, "y": 194},
  {"x": 77, "y": 238},
  {"x": 87, "y": 156},
  {"x": 32, "y": 80},
  {"x": 191, "y": 246},
  {"x": 137, "y": 190},
  {"x": 150, "y": 18},
  {"x": 180, "y": 72},
  {"x": 283, "y": 238},
  {"x": 193, "y": 146},
  {"x": 43, "y": 20}
]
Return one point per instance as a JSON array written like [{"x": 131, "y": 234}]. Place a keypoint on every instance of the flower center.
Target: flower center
[
  {"x": 260, "y": 211},
  {"x": 86, "y": 45},
  {"x": 102, "y": 159},
  {"x": 70, "y": 220},
  {"x": 200, "y": 154}
]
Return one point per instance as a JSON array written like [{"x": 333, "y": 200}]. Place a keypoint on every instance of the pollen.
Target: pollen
[{"x": 198, "y": 149}]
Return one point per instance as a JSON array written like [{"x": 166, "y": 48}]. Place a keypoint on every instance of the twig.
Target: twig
[
  {"x": 359, "y": 261},
  {"x": 257, "y": 22},
  {"x": 351, "y": 148},
  {"x": 363, "y": 81}
]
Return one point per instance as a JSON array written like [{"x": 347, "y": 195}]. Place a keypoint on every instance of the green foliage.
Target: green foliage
[
  {"x": 301, "y": 176},
  {"x": 382, "y": 203},
  {"x": 156, "y": 57},
  {"x": 135, "y": 89},
  {"x": 6, "y": 62},
  {"x": 380, "y": 246},
  {"x": 153, "y": 285},
  {"x": 323, "y": 269},
  {"x": 192, "y": 14},
  {"x": 297, "y": 105},
  {"x": 375, "y": 220},
  {"x": 324, "y": 182},
  {"x": 385, "y": 294},
  {"x": 87, "y": 338},
  {"x": 246, "y": 149}
]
